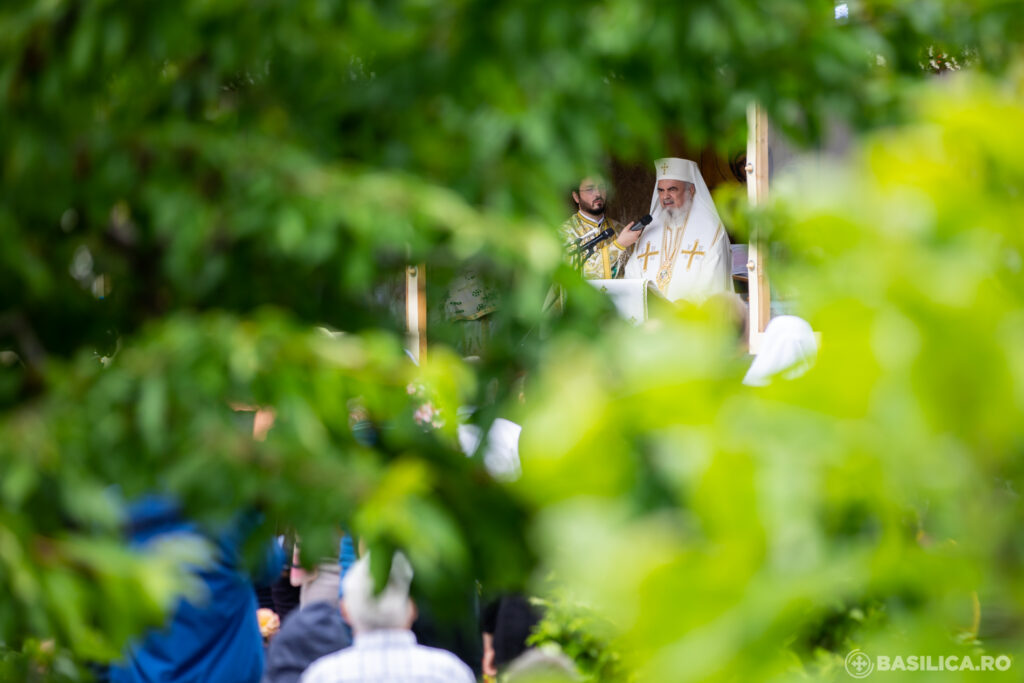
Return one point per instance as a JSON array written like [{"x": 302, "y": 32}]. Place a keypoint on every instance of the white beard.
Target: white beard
[{"x": 675, "y": 215}]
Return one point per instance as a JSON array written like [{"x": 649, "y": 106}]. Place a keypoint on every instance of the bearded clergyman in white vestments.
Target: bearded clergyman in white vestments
[{"x": 685, "y": 250}]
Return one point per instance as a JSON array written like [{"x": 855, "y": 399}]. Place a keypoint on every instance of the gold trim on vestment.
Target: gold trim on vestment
[
  {"x": 665, "y": 270},
  {"x": 587, "y": 221}
]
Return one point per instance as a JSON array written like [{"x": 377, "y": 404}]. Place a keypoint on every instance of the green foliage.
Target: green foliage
[
  {"x": 867, "y": 504},
  {"x": 160, "y": 418},
  {"x": 39, "y": 662},
  {"x": 575, "y": 630},
  {"x": 170, "y": 171},
  {"x": 168, "y": 153}
]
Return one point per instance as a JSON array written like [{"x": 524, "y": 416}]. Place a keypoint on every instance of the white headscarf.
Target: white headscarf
[
  {"x": 501, "y": 455},
  {"x": 788, "y": 348},
  {"x": 683, "y": 169}
]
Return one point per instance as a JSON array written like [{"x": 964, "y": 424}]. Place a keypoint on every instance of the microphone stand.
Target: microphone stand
[{"x": 575, "y": 259}]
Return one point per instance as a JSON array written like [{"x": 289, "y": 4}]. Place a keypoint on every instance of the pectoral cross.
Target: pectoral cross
[
  {"x": 648, "y": 254},
  {"x": 691, "y": 253},
  {"x": 664, "y": 168}
]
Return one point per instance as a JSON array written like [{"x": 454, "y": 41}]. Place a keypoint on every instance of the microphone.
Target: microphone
[
  {"x": 602, "y": 236},
  {"x": 641, "y": 223},
  {"x": 586, "y": 236}
]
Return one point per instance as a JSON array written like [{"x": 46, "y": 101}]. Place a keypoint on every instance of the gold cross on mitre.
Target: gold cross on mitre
[
  {"x": 691, "y": 253},
  {"x": 648, "y": 254},
  {"x": 664, "y": 167}
]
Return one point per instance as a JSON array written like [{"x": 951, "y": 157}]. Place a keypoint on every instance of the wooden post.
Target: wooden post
[
  {"x": 757, "y": 190},
  {"x": 416, "y": 310}
]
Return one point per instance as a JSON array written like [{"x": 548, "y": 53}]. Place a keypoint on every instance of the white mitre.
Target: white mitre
[
  {"x": 687, "y": 171},
  {"x": 692, "y": 260}
]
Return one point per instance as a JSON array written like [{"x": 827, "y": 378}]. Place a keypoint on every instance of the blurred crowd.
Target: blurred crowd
[{"x": 283, "y": 623}]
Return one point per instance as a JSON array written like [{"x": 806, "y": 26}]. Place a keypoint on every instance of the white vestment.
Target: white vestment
[{"x": 690, "y": 259}]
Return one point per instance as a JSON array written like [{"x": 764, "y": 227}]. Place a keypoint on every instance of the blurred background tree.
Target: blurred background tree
[{"x": 188, "y": 189}]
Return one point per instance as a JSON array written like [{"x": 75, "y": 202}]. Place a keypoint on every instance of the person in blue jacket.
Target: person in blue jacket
[{"x": 216, "y": 637}]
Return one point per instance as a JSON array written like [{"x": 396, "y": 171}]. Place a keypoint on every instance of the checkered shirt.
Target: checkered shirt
[{"x": 389, "y": 655}]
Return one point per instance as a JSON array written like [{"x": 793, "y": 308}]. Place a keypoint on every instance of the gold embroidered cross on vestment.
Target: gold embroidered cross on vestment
[
  {"x": 647, "y": 254},
  {"x": 692, "y": 252}
]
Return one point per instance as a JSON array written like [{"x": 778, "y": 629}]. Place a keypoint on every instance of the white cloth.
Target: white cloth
[
  {"x": 501, "y": 456},
  {"x": 693, "y": 259},
  {"x": 392, "y": 656},
  {"x": 788, "y": 349},
  {"x": 629, "y": 297}
]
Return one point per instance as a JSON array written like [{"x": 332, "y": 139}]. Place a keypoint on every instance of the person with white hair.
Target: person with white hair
[
  {"x": 685, "y": 250},
  {"x": 384, "y": 648}
]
